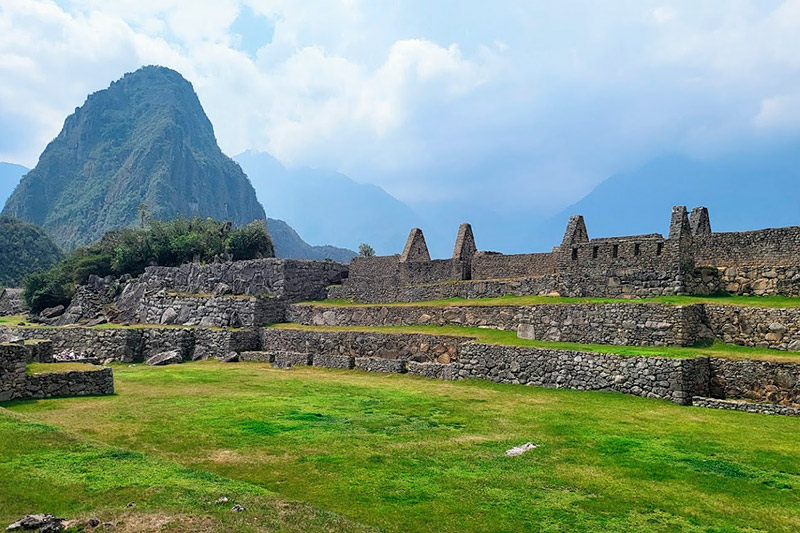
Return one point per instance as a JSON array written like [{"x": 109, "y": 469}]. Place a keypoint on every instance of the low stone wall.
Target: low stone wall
[
  {"x": 760, "y": 381},
  {"x": 764, "y": 327},
  {"x": 157, "y": 340},
  {"x": 432, "y": 370},
  {"x": 627, "y": 324},
  {"x": 121, "y": 344},
  {"x": 612, "y": 284},
  {"x": 130, "y": 345},
  {"x": 13, "y": 364},
  {"x": 677, "y": 380},
  {"x": 15, "y": 383},
  {"x": 744, "y": 406},
  {"x": 77, "y": 383},
  {"x": 162, "y": 307},
  {"x": 379, "y": 364},
  {"x": 414, "y": 347},
  {"x": 375, "y": 291}
]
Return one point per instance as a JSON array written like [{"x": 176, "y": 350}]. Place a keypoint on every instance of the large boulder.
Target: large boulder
[{"x": 170, "y": 357}]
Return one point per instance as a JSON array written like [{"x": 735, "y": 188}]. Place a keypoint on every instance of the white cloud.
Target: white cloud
[{"x": 427, "y": 100}]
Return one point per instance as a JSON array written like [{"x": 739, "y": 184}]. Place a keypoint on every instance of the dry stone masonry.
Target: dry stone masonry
[
  {"x": 691, "y": 260},
  {"x": 218, "y": 310},
  {"x": 16, "y": 384}
]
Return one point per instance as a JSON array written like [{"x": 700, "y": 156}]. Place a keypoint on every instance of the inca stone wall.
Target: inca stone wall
[
  {"x": 219, "y": 342},
  {"x": 11, "y": 302},
  {"x": 413, "y": 347},
  {"x": 677, "y": 380},
  {"x": 691, "y": 260},
  {"x": 162, "y": 307},
  {"x": 289, "y": 279},
  {"x": 759, "y": 280},
  {"x": 488, "y": 265},
  {"x": 76, "y": 383},
  {"x": 766, "y": 247},
  {"x": 763, "y": 327},
  {"x": 13, "y": 365},
  {"x": 626, "y": 324},
  {"x": 15, "y": 383},
  {"x": 132, "y": 345},
  {"x": 760, "y": 381},
  {"x": 745, "y": 406},
  {"x": 115, "y": 344}
]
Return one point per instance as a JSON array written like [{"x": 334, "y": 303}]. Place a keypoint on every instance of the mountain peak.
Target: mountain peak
[{"x": 143, "y": 140}]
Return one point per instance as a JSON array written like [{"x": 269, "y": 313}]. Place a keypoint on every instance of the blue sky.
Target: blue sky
[{"x": 513, "y": 105}]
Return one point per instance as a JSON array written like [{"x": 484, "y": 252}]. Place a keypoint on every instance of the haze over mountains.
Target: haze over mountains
[
  {"x": 10, "y": 174},
  {"x": 743, "y": 191},
  {"x": 326, "y": 206}
]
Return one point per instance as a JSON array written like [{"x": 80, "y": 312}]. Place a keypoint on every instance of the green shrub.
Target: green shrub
[
  {"x": 365, "y": 250},
  {"x": 250, "y": 242},
  {"x": 130, "y": 251}
]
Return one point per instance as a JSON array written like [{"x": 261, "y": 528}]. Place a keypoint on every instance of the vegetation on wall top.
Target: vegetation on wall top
[{"x": 130, "y": 251}]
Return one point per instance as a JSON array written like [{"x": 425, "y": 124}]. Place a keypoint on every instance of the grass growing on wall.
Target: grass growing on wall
[
  {"x": 399, "y": 453},
  {"x": 59, "y": 368},
  {"x": 722, "y": 299},
  {"x": 509, "y": 338}
]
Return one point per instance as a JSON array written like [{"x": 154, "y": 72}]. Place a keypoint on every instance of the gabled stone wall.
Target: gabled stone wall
[{"x": 691, "y": 260}]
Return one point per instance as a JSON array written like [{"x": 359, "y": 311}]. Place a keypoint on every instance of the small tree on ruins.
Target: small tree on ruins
[{"x": 365, "y": 250}]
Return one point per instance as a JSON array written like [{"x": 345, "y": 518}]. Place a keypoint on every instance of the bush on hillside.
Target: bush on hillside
[
  {"x": 130, "y": 251},
  {"x": 24, "y": 248}
]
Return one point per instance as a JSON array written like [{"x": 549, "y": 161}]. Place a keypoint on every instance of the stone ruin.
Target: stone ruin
[
  {"x": 219, "y": 310},
  {"x": 690, "y": 260}
]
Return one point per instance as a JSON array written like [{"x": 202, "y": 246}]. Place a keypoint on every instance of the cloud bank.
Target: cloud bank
[{"x": 513, "y": 105}]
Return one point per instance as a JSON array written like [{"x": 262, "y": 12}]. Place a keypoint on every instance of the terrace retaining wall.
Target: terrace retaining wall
[
  {"x": 623, "y": 324},
  {"x": 677, "y": 380},
  {"x": 414, "y": 347}
]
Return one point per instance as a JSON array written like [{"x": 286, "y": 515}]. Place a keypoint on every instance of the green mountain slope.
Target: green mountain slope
[
  {"x": 24, "y": 248},
  {"x": 145, "y": 139}
]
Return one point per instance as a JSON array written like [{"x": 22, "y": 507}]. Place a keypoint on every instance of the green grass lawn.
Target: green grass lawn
[
  {"x": 44, "y": 469},
  {"x": 722, "y": 299},
  {"x": 397, "y": 452},
  {"x": 57, "y": 368},
  {"x": 509, "y": 338}
]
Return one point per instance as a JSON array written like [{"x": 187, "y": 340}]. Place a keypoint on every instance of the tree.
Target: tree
[
  {"x": 144, "y": 214},
  {"x": 365, "y": 250}
]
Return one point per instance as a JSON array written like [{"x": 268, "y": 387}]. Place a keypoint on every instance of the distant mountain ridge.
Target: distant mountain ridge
[
  {"x": 743, "y": 191},
  {"x": 10, "y": 174},
  {"x": 326, "y": 206},
  {"x": 144, "y": 139},
  {"x": 289, "y": 244}
]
